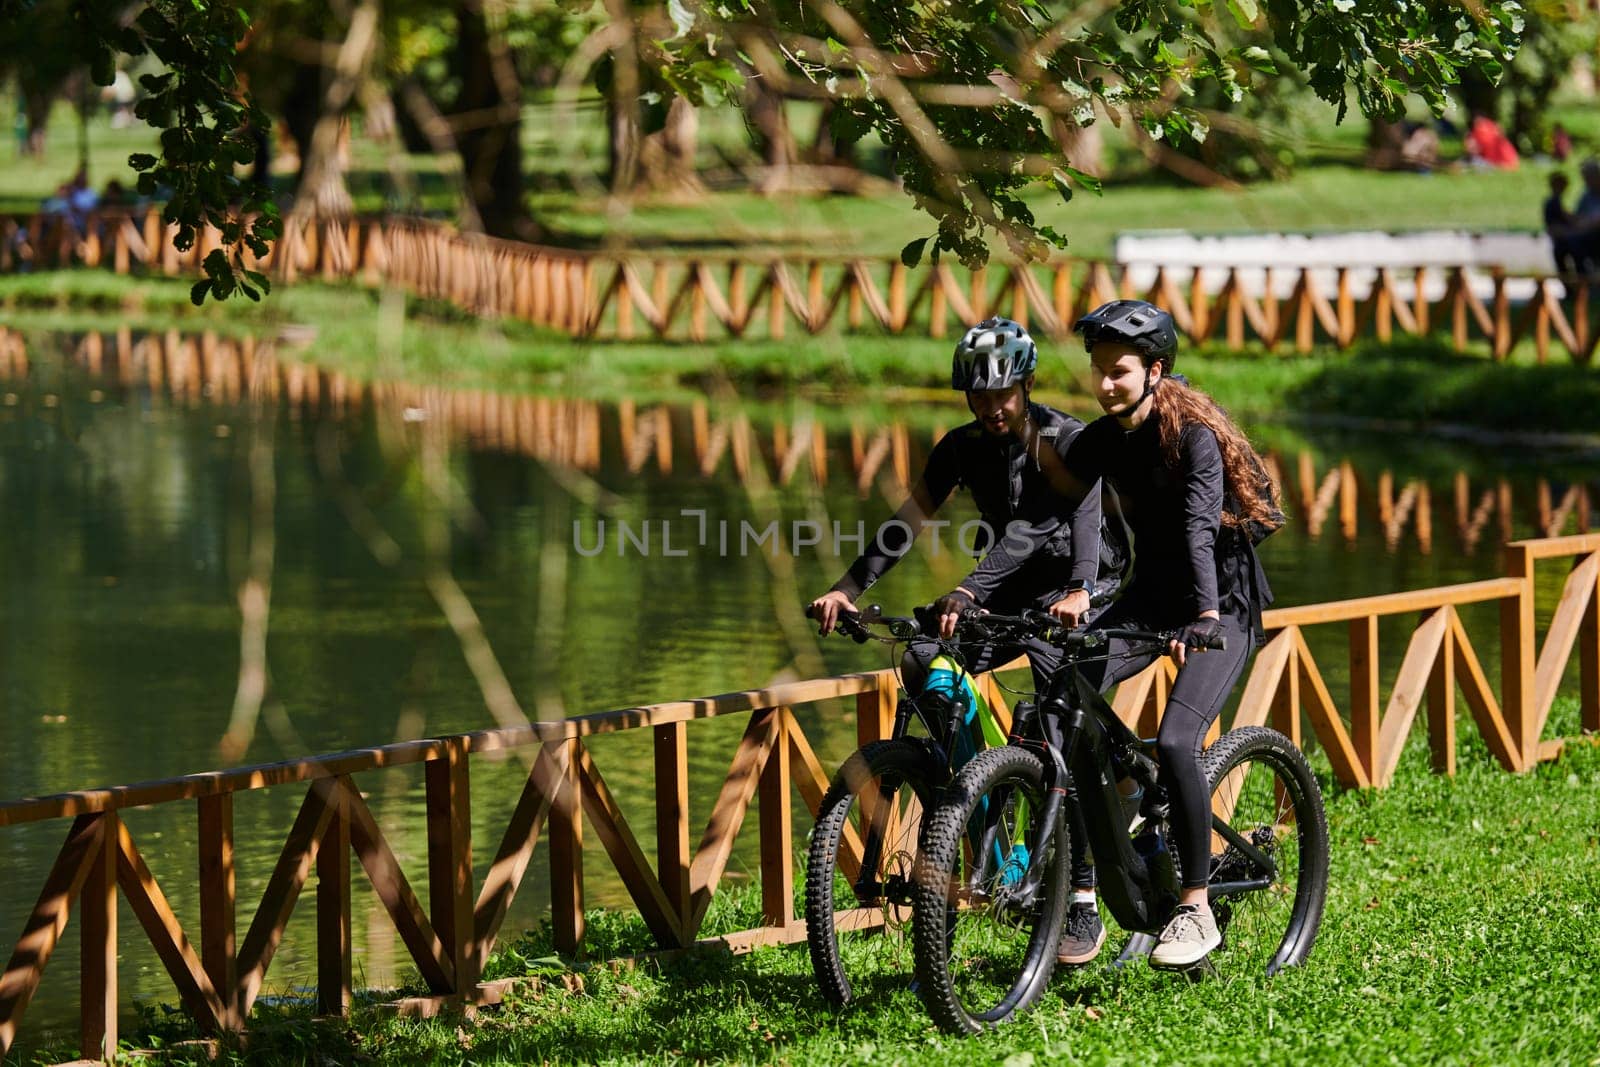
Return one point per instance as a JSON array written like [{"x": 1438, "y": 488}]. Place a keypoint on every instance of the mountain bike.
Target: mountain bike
[
  {"x": 992, "y": 872},
  {"x": 864, "y": 844}
]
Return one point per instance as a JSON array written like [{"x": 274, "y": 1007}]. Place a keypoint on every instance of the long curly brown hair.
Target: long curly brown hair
[{"x": 1250, "y": 487}]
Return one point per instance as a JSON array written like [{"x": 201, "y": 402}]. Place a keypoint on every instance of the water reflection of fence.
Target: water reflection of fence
[
  {"x": 593, "y": 295},
  {"x": 449, "y": 941},
  {"x": 678, "y": 438}
]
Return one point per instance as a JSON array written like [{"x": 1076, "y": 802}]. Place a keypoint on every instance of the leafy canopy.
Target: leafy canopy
[{"x": 961, "y": 90}]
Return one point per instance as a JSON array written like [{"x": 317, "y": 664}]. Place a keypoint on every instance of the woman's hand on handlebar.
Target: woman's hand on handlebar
[
  {"x": 1070, "y": 609},
  {"x": 827, "y": 608},
  {"x": 1198, "y": 635},
  {"x": 949, "y": 609}
]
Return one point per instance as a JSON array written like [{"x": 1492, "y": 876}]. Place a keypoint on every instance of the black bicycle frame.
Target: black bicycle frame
[{"x": 1091, "y": 748}]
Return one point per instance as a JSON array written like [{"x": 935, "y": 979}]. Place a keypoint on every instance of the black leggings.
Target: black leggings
[{"x": 1197, "y": 696}]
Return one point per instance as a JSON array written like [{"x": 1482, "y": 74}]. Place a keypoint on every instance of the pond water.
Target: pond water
[{"x": 608, "y": 550}]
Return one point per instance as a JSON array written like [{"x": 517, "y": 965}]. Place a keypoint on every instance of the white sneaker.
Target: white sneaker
[{"x": 1189, "y": 936}]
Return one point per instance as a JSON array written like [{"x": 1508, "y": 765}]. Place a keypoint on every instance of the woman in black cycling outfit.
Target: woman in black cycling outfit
[{"x": 1197, "y": 499}]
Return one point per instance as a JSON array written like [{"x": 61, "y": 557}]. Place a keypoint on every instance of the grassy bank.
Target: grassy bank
[
  {"x": 378, "y": 337},
  {"x": 1459, "y": 930}
]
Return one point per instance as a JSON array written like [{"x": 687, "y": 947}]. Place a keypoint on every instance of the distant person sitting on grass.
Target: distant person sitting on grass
[
  {"x": 1561, "y": 225},
  {"x": 1488, "y": 145}
]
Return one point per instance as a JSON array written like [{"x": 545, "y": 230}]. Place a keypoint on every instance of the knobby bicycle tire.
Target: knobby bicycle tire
[
  {"x": 908, "y": 769},
  {"x": 1268, "y": 810},
  {"x": 975, "y": 945}
]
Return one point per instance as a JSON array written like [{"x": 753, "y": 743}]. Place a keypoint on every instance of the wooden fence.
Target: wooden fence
[
  {"x": 565, "y": 801},
  {"x": 680, "y": 298}
]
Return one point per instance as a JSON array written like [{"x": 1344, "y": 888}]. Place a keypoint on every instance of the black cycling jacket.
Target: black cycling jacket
[
  {"x": 1185, "y": 561},
  {"x": 1018, "y": 503}
]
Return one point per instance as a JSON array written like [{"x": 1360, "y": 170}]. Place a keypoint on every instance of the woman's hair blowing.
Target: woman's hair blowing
[{"x": 1249, "y": 486}]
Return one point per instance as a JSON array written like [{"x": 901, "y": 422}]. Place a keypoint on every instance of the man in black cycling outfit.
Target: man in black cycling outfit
[{"x": 994, "y": 365}]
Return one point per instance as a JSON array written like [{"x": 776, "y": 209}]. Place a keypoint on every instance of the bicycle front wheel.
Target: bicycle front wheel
[
  {"x": 988, "y": 914},
  {"x": 858, "y": 873},
  {"x": 1269, "y": 850}
]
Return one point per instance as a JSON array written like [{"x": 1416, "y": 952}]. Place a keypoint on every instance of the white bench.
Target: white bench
[{"x": 1519, "y": 254}]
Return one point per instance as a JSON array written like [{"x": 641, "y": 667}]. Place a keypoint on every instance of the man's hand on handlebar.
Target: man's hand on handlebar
[
  {"x": 1070, "y": 609},
  {"x": 827, "y": 608},
  {"x": 1198, "y": 635},
  {"x": 949, "y": 609}
]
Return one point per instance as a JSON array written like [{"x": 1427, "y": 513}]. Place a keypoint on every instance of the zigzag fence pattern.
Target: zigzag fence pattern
[
  {"x": 565, "y": 800},
  {"x": 594, "y": 295}
]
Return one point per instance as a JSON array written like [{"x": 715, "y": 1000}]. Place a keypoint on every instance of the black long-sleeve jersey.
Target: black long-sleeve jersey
[
  {"x": 1051, "y": 541},
  {"x": 1185, "y": 560}
]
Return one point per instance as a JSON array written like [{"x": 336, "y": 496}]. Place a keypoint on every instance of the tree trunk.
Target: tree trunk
[
  {"x": 667, "y": 157},
  {"x": 776, "y": 141},
  {"x": 622, "y": 147},
  {"x": 828, "y": 150},
  {"x": 488, "y": 121}
]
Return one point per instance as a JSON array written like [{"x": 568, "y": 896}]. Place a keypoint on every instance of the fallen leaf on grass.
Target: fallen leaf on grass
[{"x": 1094, "y": 1013}]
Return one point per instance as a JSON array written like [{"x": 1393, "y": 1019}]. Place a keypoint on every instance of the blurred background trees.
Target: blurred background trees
[{"x": 479, "y": 107}]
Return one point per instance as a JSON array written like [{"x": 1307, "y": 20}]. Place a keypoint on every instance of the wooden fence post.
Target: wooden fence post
[
  {"x": 98, "y": 948},
  {"x": 218, "y": 922},
  {"x": 875, "y": 710},
  {"x": 1364, "y": 710},
  {"x": 1501, "y": 342},
  {"x": 777, "y": 830},
  {"x": 334, "y": 988},
  {"x": 1517, "y": 658},
  {"x": 450, "y": 893},
  {"x": 1589, "y": 663},
  {"x": 566, "y": 854},
  {"x": 1442, "y": 703},
  {"x": 672, "y": 815}
]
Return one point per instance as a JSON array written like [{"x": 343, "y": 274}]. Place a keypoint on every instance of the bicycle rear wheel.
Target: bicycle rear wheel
[
  {"x": 858, "y": 873},
  {"x": 987, "y": 919},
  {"x": 1269, "y": 856}
]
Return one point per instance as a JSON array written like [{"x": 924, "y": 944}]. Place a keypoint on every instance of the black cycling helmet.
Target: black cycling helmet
[
  {"x": 994, "y": 354},
  {"x": 1133, "y": 322}
]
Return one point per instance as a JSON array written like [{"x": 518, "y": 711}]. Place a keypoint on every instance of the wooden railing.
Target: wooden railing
[
  {"x": 596, "y": 295},
  {"x": 565, "y": 797},
  {"x": 191, "y": 367}
]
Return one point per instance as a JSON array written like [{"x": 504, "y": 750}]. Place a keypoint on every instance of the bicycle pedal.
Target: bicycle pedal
[
  {"x": 1200, "y": 968},
  {"x": 1139, "y": 947}
]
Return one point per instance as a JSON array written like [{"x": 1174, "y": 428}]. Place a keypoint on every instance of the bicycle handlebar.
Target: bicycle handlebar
[{"x": 984, "y": 626}]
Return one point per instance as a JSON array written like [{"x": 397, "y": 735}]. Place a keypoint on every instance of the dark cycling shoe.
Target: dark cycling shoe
[{"x": 1082, "y": 938}]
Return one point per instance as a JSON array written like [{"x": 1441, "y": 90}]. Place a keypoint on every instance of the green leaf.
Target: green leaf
[
  {"x": 911, "y": 254},
  {"x": 141, "y": 161},
  {"x": 1258, "y": 58},
  {"x": 1245, "y": 12},
  {"x": 1063, "y": 186},
  {"x": 197, "y": 292},
  {"x": 1085, "y": 181}
]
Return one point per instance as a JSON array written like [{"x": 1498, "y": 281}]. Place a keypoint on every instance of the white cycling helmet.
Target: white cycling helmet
[{"x": 994, "y": 354}]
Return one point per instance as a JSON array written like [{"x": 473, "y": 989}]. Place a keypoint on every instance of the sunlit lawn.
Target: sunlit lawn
[
  {"x": 1459, "y": 930},
  {"x": 1330, "y": 193}
]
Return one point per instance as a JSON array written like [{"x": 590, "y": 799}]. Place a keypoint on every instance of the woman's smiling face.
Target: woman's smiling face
[{"x": 1118, "y": 376}]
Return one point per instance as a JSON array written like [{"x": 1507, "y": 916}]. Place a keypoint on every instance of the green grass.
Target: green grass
[
  {"x": 376, "y": 337},
  {"x": 1331, "y": 192},
  {"x": 1459, "y": 930}
]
